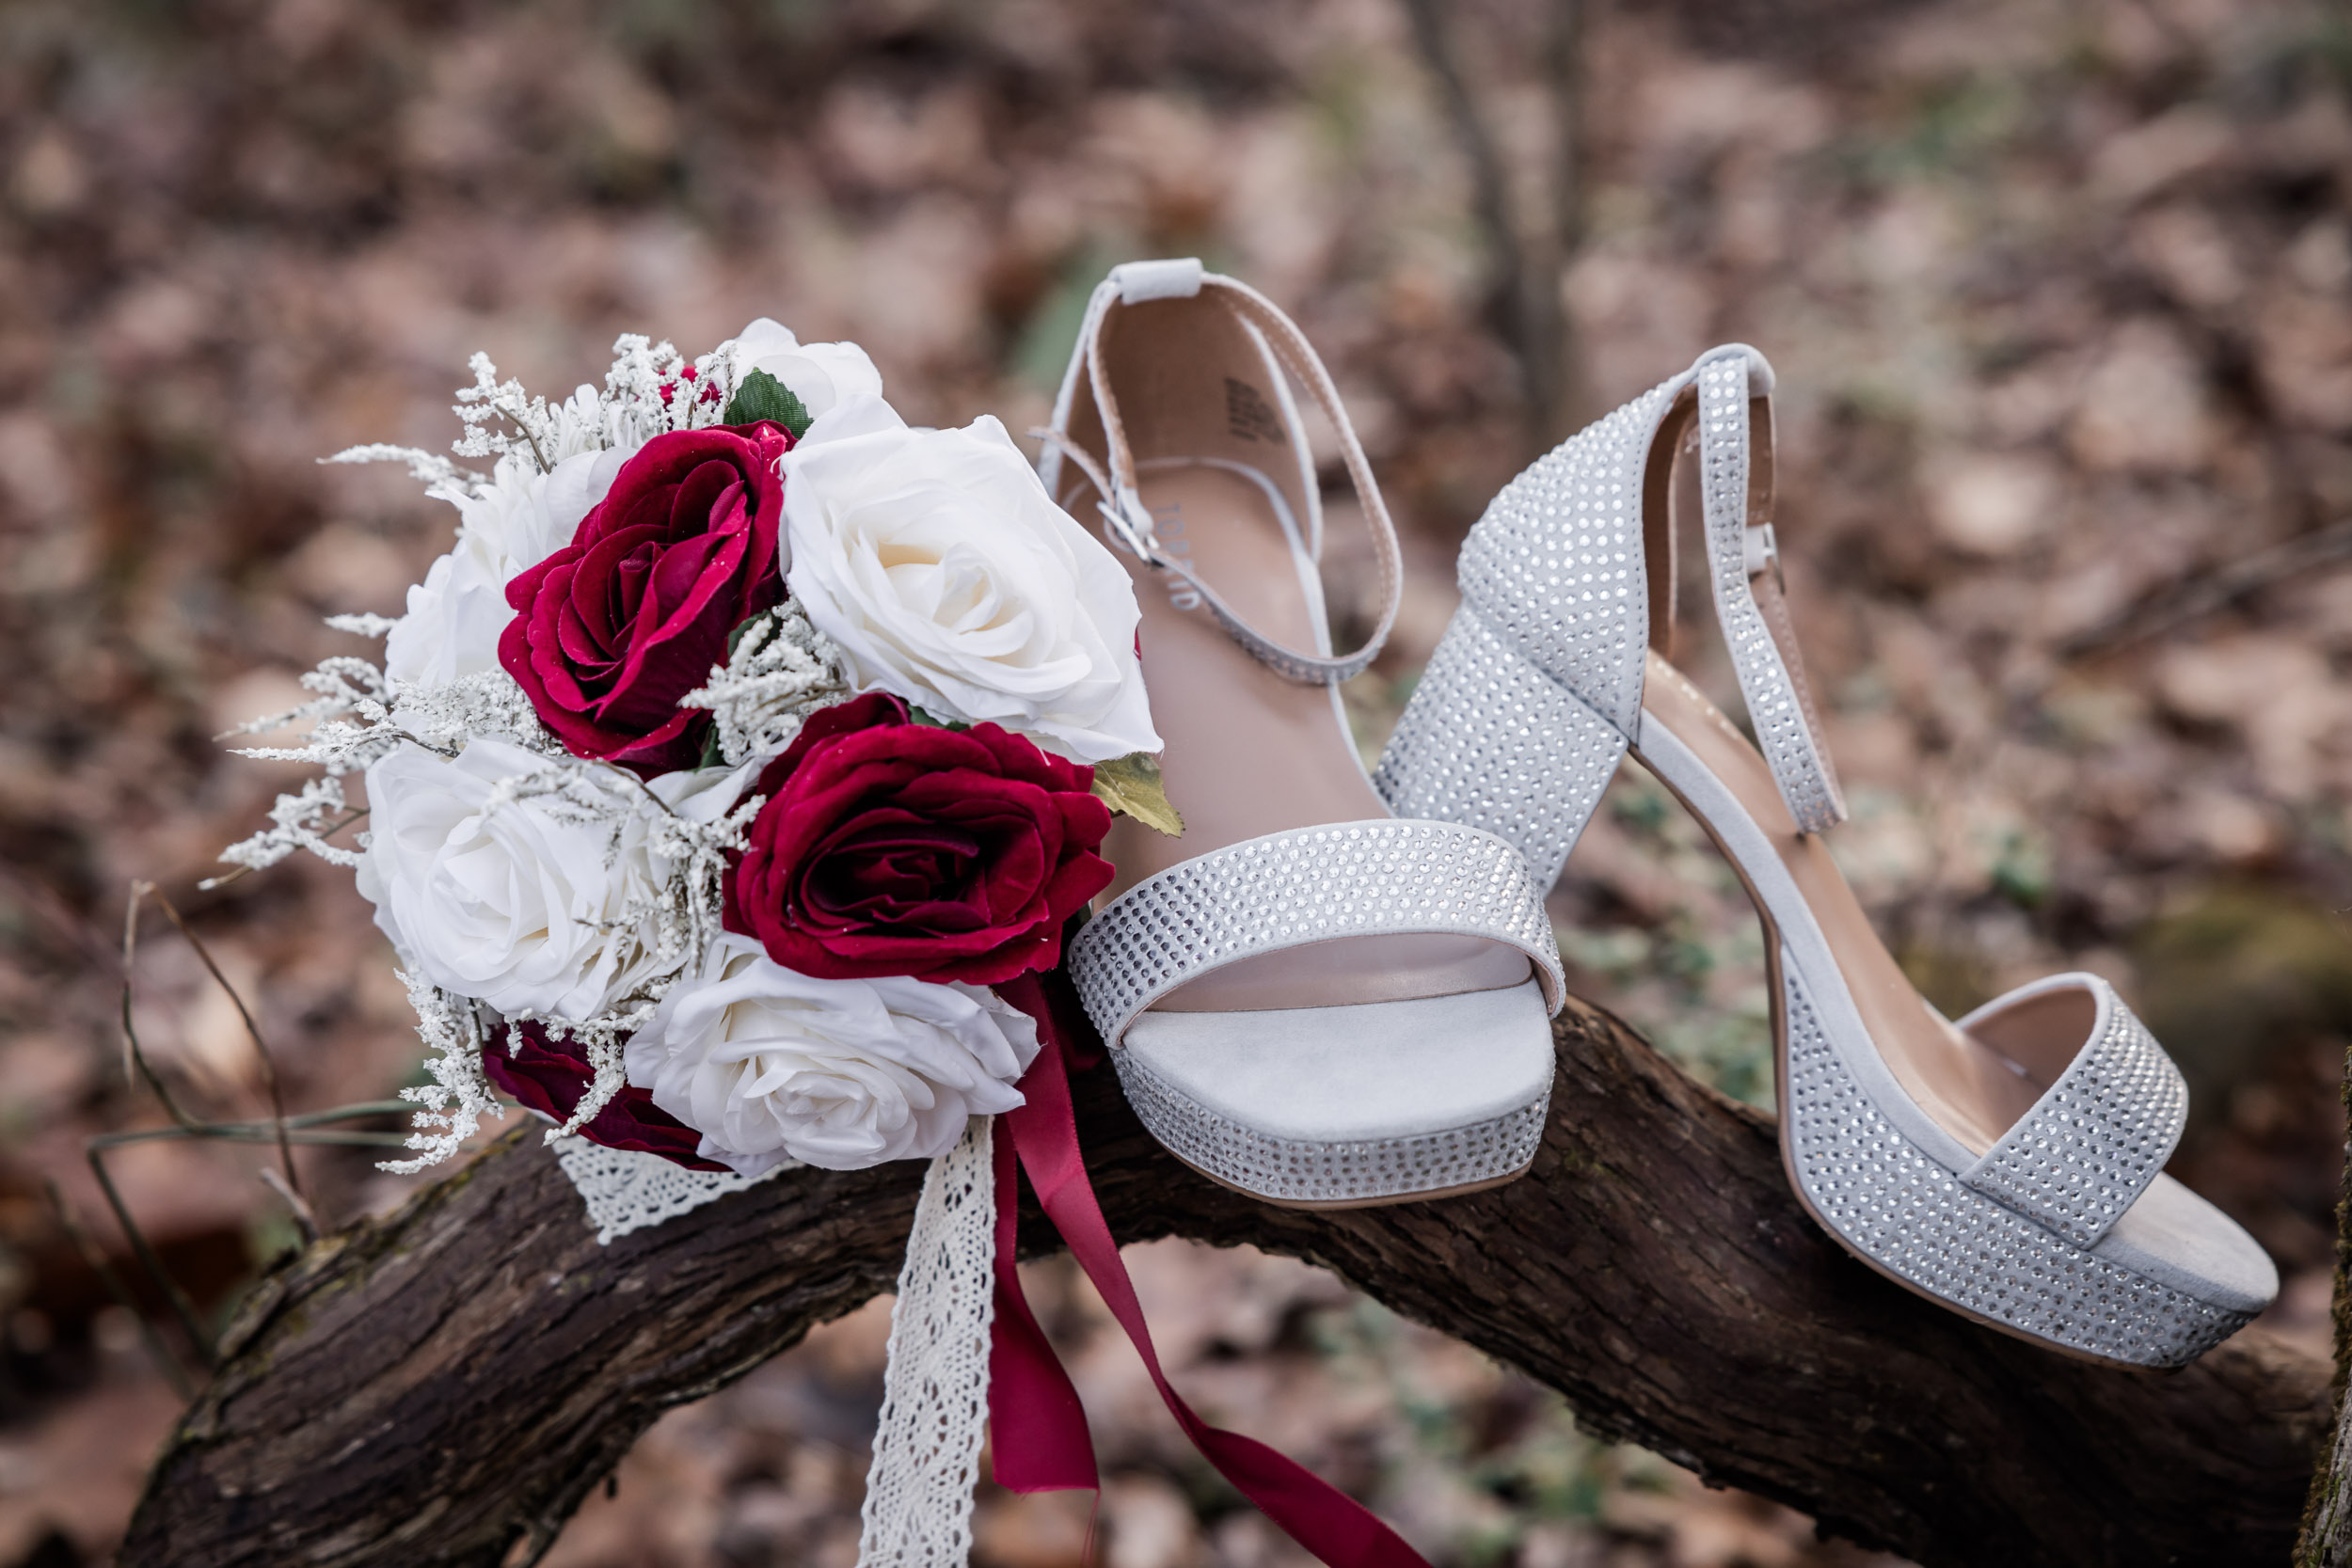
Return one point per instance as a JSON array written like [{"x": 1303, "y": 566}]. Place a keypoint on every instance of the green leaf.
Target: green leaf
[
  {"x": 1132, "y": 785},
  {"x": 934, "y": 721},
  {"x": 761, "y": 396}
]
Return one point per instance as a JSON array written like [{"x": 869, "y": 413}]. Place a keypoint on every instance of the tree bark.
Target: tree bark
[
  {"x": 434, "y": 1388},
  {"x": 2327, "y": 1538}
]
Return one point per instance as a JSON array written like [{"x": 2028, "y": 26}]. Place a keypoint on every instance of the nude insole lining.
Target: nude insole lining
[
  {"x": 1971, "y": 1090},
  {"x": 1247, "y": 752},
  {"x": 1250, "y": 753}
]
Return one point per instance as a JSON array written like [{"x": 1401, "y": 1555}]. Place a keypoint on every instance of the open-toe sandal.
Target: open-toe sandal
[
  {"x": 2010, "y": 1165},
  {"x": 1307, "y": 997}
]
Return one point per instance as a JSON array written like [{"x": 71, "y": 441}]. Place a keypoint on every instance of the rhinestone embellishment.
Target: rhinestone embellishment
[
  {"x": 1555, "y": 563},
  {"x": 1783, "y": 731},
  {"x": 1492, "y": 741},
  {"x": 1308, "y": 884},
  {"x": 1525, "y": 710},
  {"x": 2096, "y": 1138},
  {"x": 1892, "y": 1204},
  {"x": 1302, "y": 1171}
]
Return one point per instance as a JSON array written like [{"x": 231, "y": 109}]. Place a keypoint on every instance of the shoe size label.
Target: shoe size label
[{"x": 1248, "y": 414}]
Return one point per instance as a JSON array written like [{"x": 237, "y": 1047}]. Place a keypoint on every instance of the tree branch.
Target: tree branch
[
  {"x": 1525, "y": 253},
  {"x": 2207, "y": 592},
  {"x": 435, "y": 1387}
]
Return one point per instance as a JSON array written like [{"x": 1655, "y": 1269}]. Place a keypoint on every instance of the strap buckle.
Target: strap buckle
[
  {"x": 1760, "y": 552},
  {"x": 1127, "y": 523},
  {"x": 1130, "y": 527}
]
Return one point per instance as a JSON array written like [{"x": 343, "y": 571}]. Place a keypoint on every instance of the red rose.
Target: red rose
[
  {"x": 615, "y": 628},
  {"x": 549, "y": 1076},
  {"x": 890, "y": 848}
]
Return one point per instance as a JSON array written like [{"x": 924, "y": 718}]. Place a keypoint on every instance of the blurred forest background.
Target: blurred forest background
[{"x": 2060, "y": 296}]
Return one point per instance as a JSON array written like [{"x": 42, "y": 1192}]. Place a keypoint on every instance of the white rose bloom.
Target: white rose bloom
[
  {"x": 948, "y": 577},
  {"x": 456, "y": 616},
  {"x": 769, "y": 1064},
  {"x": 822, "y": 375},
  {"x": 512, "y": 904}
]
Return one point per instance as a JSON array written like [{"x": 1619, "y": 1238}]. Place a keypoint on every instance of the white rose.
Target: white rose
[
  {"x": 769, "y": 1064},
  {"x": 511, "y": 903},
  {"x": 456, "y": 616},
  {"x": 948, "y": 577},
  {"x": 822, "y": 375}
]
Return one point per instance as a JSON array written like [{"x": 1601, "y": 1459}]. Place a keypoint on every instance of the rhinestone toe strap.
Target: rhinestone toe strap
[
  {"x": 2097, "y": 1136},
  {"x": 1900, "y": 1208},
  {"x": 1307, "y": 884}
]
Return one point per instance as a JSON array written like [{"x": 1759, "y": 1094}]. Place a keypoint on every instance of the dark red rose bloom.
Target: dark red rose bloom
[
  {"x": 613, "y": 628},
  {"x": 548, "y": 1076},
  {"x": 890, "y": 848}
]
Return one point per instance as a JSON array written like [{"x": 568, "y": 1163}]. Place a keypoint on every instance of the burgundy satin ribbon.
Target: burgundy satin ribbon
[{"x": 1037, "y": 1429}]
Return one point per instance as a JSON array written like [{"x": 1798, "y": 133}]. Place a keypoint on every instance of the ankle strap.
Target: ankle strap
[
  {"x": 1744, "y": 565},
  {"x": 1127, "y": 522}
]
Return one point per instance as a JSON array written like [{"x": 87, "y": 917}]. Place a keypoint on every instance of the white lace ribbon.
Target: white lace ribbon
[
  {"x": 626, "y": 1189},
  {"x": 927, "y": 1452}
]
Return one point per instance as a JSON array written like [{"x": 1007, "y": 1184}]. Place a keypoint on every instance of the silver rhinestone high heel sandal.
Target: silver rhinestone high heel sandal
[
  {"x": 1306, "y": 998},
  {"x": 2009, "y": 1165}
]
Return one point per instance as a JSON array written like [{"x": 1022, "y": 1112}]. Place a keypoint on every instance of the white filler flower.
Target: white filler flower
[
  {"x": 769, "y": 1064},
  {"x": 947, "y": 575},
  {"x": 456, "y": 616},
  {"x": 515, "y": 901},
  {"x": 822, "y": 375}
]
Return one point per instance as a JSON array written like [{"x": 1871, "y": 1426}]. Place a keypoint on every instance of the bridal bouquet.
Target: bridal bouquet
[
  {"x": 730, "y": 788},
  {"x": 744, "y": 742}
]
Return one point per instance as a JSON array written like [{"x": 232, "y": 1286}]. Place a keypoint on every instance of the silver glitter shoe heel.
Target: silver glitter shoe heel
[
  {"x": 1515, "y": 752},
  {"x": 1306, "y": 998},
  {"x": 2009, "y": 1165}
]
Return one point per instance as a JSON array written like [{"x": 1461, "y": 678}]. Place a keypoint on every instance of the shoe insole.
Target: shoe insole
[
  {"x": 1977, "y": 1082},
  {"x": 1250, "y": 753},
  {"x": 1974, "y": 1092}
]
